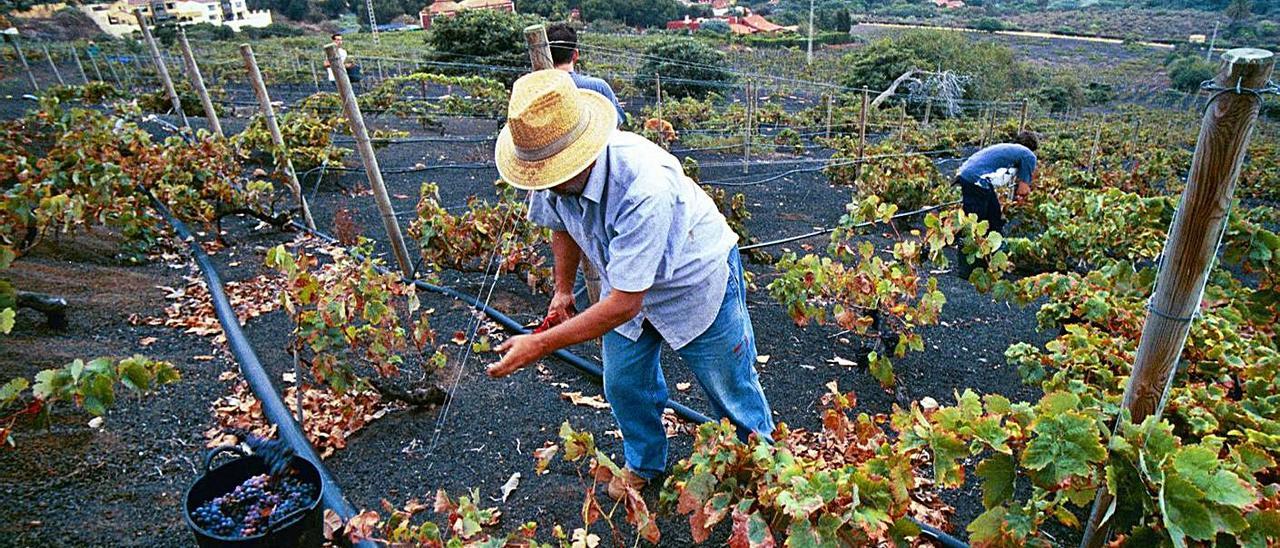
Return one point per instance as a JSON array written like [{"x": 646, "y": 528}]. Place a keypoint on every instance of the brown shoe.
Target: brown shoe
[{"x": 618, "y": 484}]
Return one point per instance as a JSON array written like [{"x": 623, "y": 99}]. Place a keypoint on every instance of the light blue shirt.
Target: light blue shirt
[
  {"x": 647, "y": 227},
  {"x": 996, "y": 157},
  {"x": 602, "y": 87}
]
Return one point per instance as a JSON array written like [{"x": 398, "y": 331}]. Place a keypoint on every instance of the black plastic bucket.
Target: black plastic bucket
[{"x": 304, "y": 528}]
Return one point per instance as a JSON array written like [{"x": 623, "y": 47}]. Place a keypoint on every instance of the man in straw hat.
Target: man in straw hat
[{"x": 669, "y": 263}]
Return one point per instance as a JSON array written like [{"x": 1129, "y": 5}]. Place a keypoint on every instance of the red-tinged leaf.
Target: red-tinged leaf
[
  {"x": 750, "y": 530},
  {"x": 442, "y": 504}
]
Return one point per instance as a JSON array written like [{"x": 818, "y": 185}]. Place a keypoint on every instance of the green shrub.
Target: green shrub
[
  {"x": 688, "y": 68},
  {"x": 1187, "y": 73},
  {"x": 495, "y": 37}
]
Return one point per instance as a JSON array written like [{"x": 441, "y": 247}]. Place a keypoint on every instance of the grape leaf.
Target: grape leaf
[{"x": 997, "y": 473}]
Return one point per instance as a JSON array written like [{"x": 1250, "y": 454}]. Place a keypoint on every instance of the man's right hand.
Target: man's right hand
[{"x": 562, "y": 308}]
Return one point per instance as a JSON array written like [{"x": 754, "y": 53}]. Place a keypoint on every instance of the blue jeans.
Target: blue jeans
[{"x": 722, "y": 359}]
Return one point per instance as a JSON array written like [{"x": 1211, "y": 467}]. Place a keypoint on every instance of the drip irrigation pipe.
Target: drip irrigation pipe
[
  {"x": 273, "y": 408},
  {"x": 596, "y": 373}
]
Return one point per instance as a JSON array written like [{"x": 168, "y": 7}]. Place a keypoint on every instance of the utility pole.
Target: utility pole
[
  {"x": 1190, "y": 248},
  {"x": 808, "y": 59},
  {"x": 363, "y": 144},
  {"x": 273, "y": 127},
  {"x": 161, "y": 69}
]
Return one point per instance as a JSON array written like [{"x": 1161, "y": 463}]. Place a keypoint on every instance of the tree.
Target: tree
[
  {"x": 496, "y": 37},
  {"x": 1187, "y": 73},
  {"x": 994, "y": 69},
  {"x": 688, "y": 68},
  {"x": 1239, "y": 11}
]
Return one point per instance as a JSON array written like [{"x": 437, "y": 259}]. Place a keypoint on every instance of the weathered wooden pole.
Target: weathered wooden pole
[
  {"x": 114, "y": 75},
  {"x": 31, "y": 77},
  {"x": 365, "y": 147},
  {"x": 746, "y": 131},
  {"x": 1097, "y": 140},
  {"x": 991, "y": 126},
  {"x": 928, "y": 110},
  {"x": 161, "y": 69},
  {"x": 827, "y": 134},
  {"x": 197, "y": 82},
  {"x": 84, "y": 76},
  {"x": 1191, "y": 246},
  {"x": 662, "y": 138},
  {"x": 94, "y": 63},
  {"x": 56, "y": 74},
  {"x": 315, "y": 76},
  {"x": 1022, "y": 118},
  {"x": 539, "y": 48},
  {"x": 281, "y": 153},
  {"x": 540, "y": 59},
  {"x": 862, "y": 133}
]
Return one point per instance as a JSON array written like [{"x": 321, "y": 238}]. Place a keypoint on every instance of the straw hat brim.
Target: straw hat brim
[{"x": 564, "y": 165}]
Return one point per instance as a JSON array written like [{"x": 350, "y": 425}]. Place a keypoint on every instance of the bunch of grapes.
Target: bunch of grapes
[{"x": 256, "y": 504}]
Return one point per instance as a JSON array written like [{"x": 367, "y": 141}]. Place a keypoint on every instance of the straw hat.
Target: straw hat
[{"x": 554, "y": 130}]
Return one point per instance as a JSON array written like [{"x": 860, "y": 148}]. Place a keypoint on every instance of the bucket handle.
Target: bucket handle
[{"x": 213, "y": 453}]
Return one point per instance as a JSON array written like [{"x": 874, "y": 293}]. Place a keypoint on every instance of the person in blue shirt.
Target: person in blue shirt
[
  {"x": 995, "y": 167},
  {"x": 563, "y": 40},
  {"x": 564, "y": 53}
]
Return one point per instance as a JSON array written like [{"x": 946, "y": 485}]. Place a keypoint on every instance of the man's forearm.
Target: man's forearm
[
  {"x": 616, "y": 309},
  {"x": 567, "y": 254}
]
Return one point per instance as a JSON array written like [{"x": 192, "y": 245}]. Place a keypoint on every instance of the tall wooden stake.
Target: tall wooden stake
[
  {"x": 79, "y": 66},
  {"x": 540, "y": 59},
  {"x": 31, "y": 77},
  {"x": 662, "y": 138},
  {"x": 928, "y": 110},
  {"x": 539, "y": 48},
  {"x": 110, "y": 68},
  {"x": 273, "y": 127},
  {"x": 315, "y": 76},
  {"x": 365, "y": 147},
  {"x": 827, "y": 134},
  {"x": 1190, "y": 248},
  {"x": 161, "y": 69},
  {"x": 197, "y": 82},
  {"x": 1097, "y": 140},
  {"x": 862, "y": 132},
  {"x": 47, "y": 57},
  {"x": 1022, "y": 118},
  {"x": 746, "y": 131}
]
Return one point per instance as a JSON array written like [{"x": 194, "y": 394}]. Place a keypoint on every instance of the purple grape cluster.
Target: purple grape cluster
[{"x": 253, "y": 506}]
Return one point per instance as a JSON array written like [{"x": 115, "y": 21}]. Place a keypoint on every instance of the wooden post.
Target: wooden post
[
  {"x": 47, "y": 57},
  {"x": 381, "y": 75},
  {"x": 662, "y": 139},
  {"x": 1097, "y": 139},
  {"x": 1191, "y": 246},
  {"x": 114, "y": 76},
  {"x": 94, "y": 62},
  {"x": 991, "y": 126},
  {"x": 862, "y": 133},
  {"x": 539, "y": 48},
  {"x": 827, "y": 134},
  {"x": 315, "y": 76},
  {"x": 161, "y": 69},
  {"x": 365, "y": 147},
  {"x": 928, "y": 110},
  {"x": 1022, "y": 118},
  {"x": 281, "y": 153},
  {"x": 79, "y": 66},
  {"x": 746, "y": 130},
  {"x": 540, "y": 59},
  {"x": 197, "y": 82},
  {"x": 31, "y": 77}
]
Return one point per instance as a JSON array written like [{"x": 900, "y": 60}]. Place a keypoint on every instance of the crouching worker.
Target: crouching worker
[
  {"x": 669, "y": 265},
  {"x": 992, "y": 168}
]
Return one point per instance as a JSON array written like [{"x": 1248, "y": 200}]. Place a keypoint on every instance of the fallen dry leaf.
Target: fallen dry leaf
[
  {"x": 576, "y": 398},
  {"x": 683, "y": 386},
  {"x": 202, "y": 358},
  {"x": 148, "y": 341},
  {"x": 837, "y": 360},
  {"x": 510, "y": 485},
  {"x": 228, "y": 375}
]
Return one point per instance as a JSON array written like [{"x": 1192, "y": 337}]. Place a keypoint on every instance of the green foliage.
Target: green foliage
[
  {"x": 485, "y": 232},
  {"x": 482, "y": 36},
  {"x": 992, "y": 66},
  {"x": 158, "y": 102},
  {"x": 1186, "y": 73},
  {"x": 307, "y": 134},
  {"x": 860, "y": 289},
  {"x": 90, "y": 386},
  {"x": 345, "y": 314},
  {"x": 688, "y": 68},
  {"x": 907, "y": 181}
]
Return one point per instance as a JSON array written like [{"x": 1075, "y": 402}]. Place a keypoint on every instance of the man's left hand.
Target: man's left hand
[
  {"x": 1020, "y": 194},
  {"x": 517, "y": 352}
]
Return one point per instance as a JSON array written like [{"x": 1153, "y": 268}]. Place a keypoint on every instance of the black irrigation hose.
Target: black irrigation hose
[
  {"x": 597, "y": 373},
  {"x": 273, "y": 408}
]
